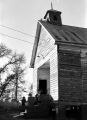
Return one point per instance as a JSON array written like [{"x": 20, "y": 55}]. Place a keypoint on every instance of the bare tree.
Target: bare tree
[
  {"x": 19, "y": 79},
  {"x": 13, "y": 67},
  {"x": 6, "y": 83},
  {"x": 12, "y": 60},
  {"x": 4, "y": 51}
]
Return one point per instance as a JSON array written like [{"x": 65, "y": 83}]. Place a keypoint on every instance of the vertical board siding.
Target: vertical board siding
[{"x": 54, "y": 75}]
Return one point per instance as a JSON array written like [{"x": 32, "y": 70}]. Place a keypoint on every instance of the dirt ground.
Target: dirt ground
[{"x": 4, "y": 115}]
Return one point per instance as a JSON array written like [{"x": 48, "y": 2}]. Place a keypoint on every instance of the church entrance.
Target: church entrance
[{"x": 43, "y": 85}]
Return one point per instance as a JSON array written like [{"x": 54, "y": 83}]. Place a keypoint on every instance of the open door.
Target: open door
[{"x": 43, "y": 85}]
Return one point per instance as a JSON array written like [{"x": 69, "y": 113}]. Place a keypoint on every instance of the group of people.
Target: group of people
[
  {"x": 43, "y": 97},
  {"x": 39, "y": 97}
]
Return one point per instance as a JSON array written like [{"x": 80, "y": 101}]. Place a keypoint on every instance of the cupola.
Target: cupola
[{"x": 53, "y": 17}]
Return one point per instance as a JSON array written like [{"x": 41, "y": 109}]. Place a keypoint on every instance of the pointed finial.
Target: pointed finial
[{"x": 51, "y": 6}]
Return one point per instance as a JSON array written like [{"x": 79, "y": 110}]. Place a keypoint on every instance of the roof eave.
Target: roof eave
[
  {"x": 35, "y": 45},
  {"x": 71, "y": 43}
]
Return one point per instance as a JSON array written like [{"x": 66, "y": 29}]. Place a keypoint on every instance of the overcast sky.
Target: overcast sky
[{"x": 23, "y": 15}]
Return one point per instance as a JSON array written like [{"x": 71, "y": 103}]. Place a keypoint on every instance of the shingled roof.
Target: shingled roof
[{"x": 62, "y": 34}]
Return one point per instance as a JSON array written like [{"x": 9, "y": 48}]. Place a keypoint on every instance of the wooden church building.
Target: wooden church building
[{"x": 59, "y": 60}]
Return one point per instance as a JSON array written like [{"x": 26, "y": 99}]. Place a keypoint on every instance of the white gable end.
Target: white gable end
[{"x": 45, "y": 45}]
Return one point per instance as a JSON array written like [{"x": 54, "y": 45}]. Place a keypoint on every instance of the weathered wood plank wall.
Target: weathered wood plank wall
[
  {"x": 70, "y": 76},
  {"x": 84, "y": 76}
]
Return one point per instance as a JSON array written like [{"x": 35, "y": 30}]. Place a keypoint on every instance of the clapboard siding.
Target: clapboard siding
[
  {"x": 70, "y": 74},
  {"x": 70, "y": 90},
  {"x": 71, "y": 58},
  {"x": 84, "y": 78},
  {"x": 45, "y": 45},
  {"x": 68, "y": 69},
  {"x": 54, "y": 75},
  {"x": 47, "y": 50}
]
